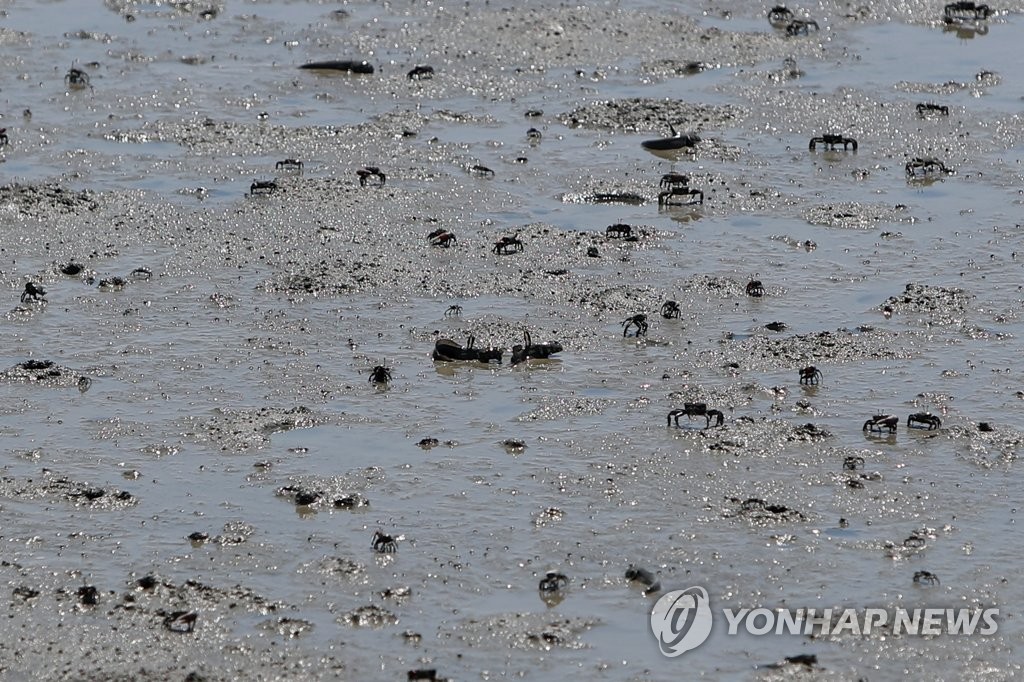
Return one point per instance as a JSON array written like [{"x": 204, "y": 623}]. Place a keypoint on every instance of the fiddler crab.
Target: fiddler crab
[
  {"x": 670, "y": 180},
  {"x": 508, "y": 244},
  {"x": 676, "y": 191},
  {"x": 925, "y": 420},
  {"x": 290, "y": 165},
  {"x": 638, "y": 321},
  {"x": 831, "y": 141},
  {"x": 442, "y": 237},
  {"x": 853, "y": 462},
  {"x": 553, "y": 582},
  {"x": 262, "y": 187},
  {"x": 383, "y": 543},
  {"x": 453, "y": 310},
  {"x": 925, "y": 578},
  {"x": 422, "y": 72},
  {"x": 925, "y": 109},
  {"x": 670, "y": 309},
  {"x": 380, "y": 375},
  {"x": 810, "y": 375},
  {"x": 780, "y": 16},
  {"x": 801, "y": 27},
  {"x": 692, "y": 410},
  {"x": 76, "y": 79},
  {"x": 33, "y": 293},
  {"x": 882, "y": 421},
  {"x": 618, "y": 231},
  {"x": 369, "y": 174}
]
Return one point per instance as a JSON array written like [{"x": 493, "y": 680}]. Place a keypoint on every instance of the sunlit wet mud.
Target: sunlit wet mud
[{"x": 205, "y": 476}]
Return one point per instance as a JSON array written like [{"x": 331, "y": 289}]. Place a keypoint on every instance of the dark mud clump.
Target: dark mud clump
[
  {"x": 639, "y": 114},
  {"x": 240, "y": 430},
  {"x": 369, "y": 617},
  {"x": 768, "y": 352},
  {"x": 526, "y": 631},
  {"x": 43, "y": 199},
  {"x": 760, "y": 512},
  {"x": 854, "y": 216},
  {"x": 59, "y": 488},
  {"x": 42, "y": 373},
  {"x": 941, "y": 305},
  {"x": 335, "y": 568}
]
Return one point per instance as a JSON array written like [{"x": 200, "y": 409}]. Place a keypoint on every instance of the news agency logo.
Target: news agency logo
[{"x": 681, "y": 621}]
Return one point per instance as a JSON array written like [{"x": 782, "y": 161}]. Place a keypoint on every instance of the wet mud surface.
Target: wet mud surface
[{"x": 228, "y": 453}]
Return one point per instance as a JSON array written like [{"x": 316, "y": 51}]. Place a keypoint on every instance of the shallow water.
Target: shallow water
[{"x": 473, "y": 539}]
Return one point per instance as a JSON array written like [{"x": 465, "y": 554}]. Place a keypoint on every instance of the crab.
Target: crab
[
  {"x": 924, "y": 109},
  {"x": 925, "y": 578},
  {"x": 779, "y": 16},
  {"x": 290, "y": 165},
  {"x": 368, "y": 173},
  {"x": 88, "y": 595},
  {"x": 755, "y": 288},
  {"x": 801, "y": 27},
  {"x": 482, "y": 171},
  {"x": 955, "y": 12},
  {"x": 618, "y": 231},
  {"x": 668, "y": 197},
  {"x": 691, "y": 410},
  {"x": 453, "y": 310},
  {"x": 638, "y": 321},
  {"x": 672, "y": 180},
  {"x": 4, "y": 141},
  {"x": 853, "y": 462},
  {"x": 114, "y": 283},
  {"x": 882, "y": 421},
  {"x": 33, "y": 292},
  {"x": 262, "y": 187},
  {"x": 534, "y": 135},
  {"x": 442, "y": 237},
  {"x": 383, "y": 543},
  {"x": 923, "y": 166},
  {"x": 380, "y": 375},
  {"x": 831, "y": 141},
  {"x": 553, "y": 582},
  {"x": 76, "y": 79},
  {"x": 929, "y": 421},
  {"x": 421, "y": 72},
  {"x": 508, "y": 244},
  {"x": 670, "y": 309},
  {"x": 537, "y": 351},
  {"x": 810, "y": 375},
  {"x": 915, "y": 541}
]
